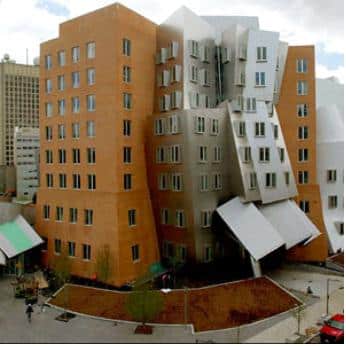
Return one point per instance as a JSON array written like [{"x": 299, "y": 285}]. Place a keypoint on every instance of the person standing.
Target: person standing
[{"x": 29, "y": 311}]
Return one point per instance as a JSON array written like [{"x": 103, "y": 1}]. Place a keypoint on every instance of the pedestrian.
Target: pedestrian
[{"x": 29, "y": 311}]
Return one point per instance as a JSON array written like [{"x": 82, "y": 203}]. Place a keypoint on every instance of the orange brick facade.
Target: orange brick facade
[
  {"x": 290, "y": 121},
  {"x": 110, "y": 202}
]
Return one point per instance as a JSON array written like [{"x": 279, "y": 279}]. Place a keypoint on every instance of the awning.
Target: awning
[
  {"x": 252, "y": 229},
  {"x": 291, "y": 222},
  {"x": 17, "y": 237},
  {"x": 2, "y": 259}
]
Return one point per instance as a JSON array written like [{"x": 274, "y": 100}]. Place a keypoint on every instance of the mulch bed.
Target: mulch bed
[{"x": 225, "y": 306}]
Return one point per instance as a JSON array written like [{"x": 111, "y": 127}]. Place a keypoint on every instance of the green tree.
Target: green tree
[
  {"x": 103, "y": 264},
  {"x": 143, "y": 304}
]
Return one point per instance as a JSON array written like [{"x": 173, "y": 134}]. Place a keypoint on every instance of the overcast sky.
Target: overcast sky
[{"x": 26, "y": 23}]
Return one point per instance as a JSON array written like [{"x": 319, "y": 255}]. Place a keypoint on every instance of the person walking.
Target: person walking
[{"x": 29, "y": 311}]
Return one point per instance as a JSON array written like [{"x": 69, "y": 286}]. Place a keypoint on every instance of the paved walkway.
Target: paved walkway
[{"x": 299, "y": 280}]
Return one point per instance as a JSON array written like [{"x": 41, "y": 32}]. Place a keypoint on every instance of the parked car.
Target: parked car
[{"x": 333, "y": 330}]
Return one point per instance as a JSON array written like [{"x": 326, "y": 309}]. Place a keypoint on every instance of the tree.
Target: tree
[
  {"x": 298, "y": 313},
  {"x": 144, "y": 305},
  {"x": 103, "y": 264}
]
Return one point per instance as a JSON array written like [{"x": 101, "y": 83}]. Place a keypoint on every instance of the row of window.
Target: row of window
[
  {"x": 73, "y": 215},
  {"x": 263, "y": 154},
  {"x": 75, "y": 105},
  {"x": 171, "y": 101},
  {"x": 177, "y": 218},
  {"x": 90, "y": 179},
  {"x": 164, "y": 54},
  {"x": 62, "y": 156},
  {"x": 61, "y": 129}
]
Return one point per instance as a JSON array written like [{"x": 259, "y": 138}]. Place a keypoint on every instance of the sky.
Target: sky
[{"x": 26, "y": 23}]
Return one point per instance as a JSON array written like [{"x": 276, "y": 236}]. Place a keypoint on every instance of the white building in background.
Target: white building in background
[
  {"x": 26, "y": 160},
  {"x": 330, "y": 168}
]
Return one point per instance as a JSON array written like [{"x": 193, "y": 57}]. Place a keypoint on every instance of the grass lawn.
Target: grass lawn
[{"x": 223, "y": 306}]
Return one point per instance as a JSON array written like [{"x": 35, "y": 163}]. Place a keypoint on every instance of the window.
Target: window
[
  {"x": 126, "y": 47},
  {"x": 194, "y": 48},
  {"x": 302, "y": 87},
  {"x": 49, "y": 179},
  {"x": 91, "y": 181},
  {"x": 57, "y": 246},
  {"x": 340, "y": 227},
  {"x": 303, "y": 132},
  {"x": 205, "y": 218},
  {"x": 205, "y": 53},
  {"x": 62, "y": 181},
  {"x": 205, "y": 77},
  {"x": 59, "y": 214},
  {"x": 126, "y": 74},
  {"x": 91, "y": 103},
  {"x": 302, "y": 110},
  {"x": 175, "y": 154},
  {"x": 168, "y": 249},
  {"x": 281, "y": 154},
  {"x": 91, "y": 50},
  {"x": 175, "y": 73},
  {"x": 91, "y": 76},
  {"x": 90, "y": 128},
  {"x": 303, "y": 177},
  {"x": 61, "y": 132},
  {"x": 216, "y": 181},
  {"x": 253, "y": 181},
  {"x": 332, "y": 202},
  {"x": 61, "y": 107},
  {"x": 260, "y": 79},
  {"x": 48, "y": 62},
  {"x": 131, "y": 217},
  {"x": 127, "y": 155},
  {"x": 181, "y": 252},
  {"x": 73, "y": 215},
  {"x": 75, "y": 80},
  {"x": 287, "y": 178},
  {"x": 259, "y": 129},
  {"x": 275, "y": 131},
  {"x": 127, "y": 181},
  {"x": 200, "y": 125},
  {"x": 71, "y": 249},
  {"x": 76, "y": 181},
  {"x": 180, "y": 218},
  {"x": 173, "y": 50},
  {"x": 76, "y": 156},
  {"x": 270, "y": 180},
  {"x": 49, "y": 109},
  {"x": 177, "y": 182},
  {"x": 302, "y": 66},
  {"x": 163, "y": 181},
  {"x": 208, "y": 254},
  {"x": 217, "y": 154},
  {"x": 75, "y": 54},
  {"x": 127, "y": 100},
  {"x": 331, "y": 175},
  {"x": 173, "y": 124},
  {"x": 164, "y": 216},
  {"x": 75, "y": 104},
  {"x": 246, "y": 154},
  {"x": 251, "y": 105},
  {"x": 264, "y": 154},
  {"x": 164, "y": 103},
  {"x": 241, "y": 129},
  {"x": 61, "y": 83},
  {"x": 61, "y": 58},
  {"x": 204, "y": 185},
  {"x": 135, "y": 252},
  {"x": 193, "y": 73},
  {"x": 176, "y": 100},
  {"x": 202, "y": 154},
  {"x": 304, "y": 206},
  {"x": 49, "y": 156},
  {"x": 62, "y": 156},
  {"x": 88, "y": 217},
  {"x": 46, "y": 212},
  {"x": 214, "y": 128},
  {"x": 261, "y": 53},
  {"x": 86, "y": 249},
  {"x": 159, "y": 127},
  {"x": 303, "y": 155},
  {"x": 75, "y": 130},
  {"x": 127, "y": 128},
  {"x": 91, "y": 155},
  {"x": 160, "y": 154},
  {"x": 48, "y": 86}
]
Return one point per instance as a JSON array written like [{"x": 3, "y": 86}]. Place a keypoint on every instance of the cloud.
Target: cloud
[
  {"x": 53, "y": 7},
  {"x": 324, "y": 72}
]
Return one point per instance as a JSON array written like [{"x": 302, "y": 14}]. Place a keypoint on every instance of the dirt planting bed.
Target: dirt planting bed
[{"x": 211, "y": 308}]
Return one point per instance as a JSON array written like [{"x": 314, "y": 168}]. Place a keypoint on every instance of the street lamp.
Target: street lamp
[{"x": 327, "y": 302}]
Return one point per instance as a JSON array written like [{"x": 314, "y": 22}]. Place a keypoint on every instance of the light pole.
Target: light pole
[{"x": 327, "y": 301}]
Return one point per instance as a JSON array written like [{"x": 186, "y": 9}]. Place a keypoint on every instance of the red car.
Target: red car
[{"x": 333, "y": 330}]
